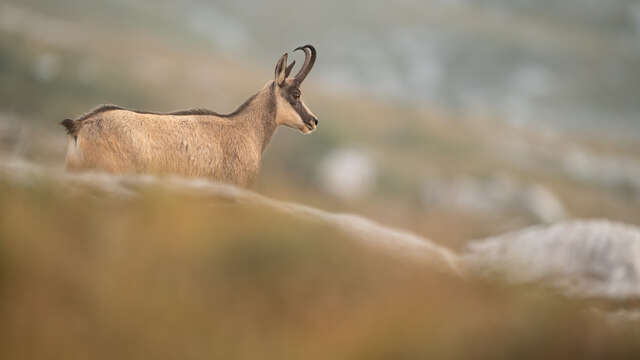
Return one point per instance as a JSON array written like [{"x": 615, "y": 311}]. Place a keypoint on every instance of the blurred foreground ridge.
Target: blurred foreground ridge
[
  {"x": 584, "y": 258},
  {"x": 363, "y": 230},
  {"x": 105, "y": 267}
]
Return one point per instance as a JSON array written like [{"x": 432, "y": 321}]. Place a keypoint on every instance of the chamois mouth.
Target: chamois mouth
[{"x": 309, "y": 127}]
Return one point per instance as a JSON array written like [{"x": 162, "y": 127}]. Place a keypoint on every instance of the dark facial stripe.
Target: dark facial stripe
[{"x": 306, "y": 117}]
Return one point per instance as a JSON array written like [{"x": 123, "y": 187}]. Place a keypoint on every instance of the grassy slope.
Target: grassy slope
[{"x": 171, "y": 276}]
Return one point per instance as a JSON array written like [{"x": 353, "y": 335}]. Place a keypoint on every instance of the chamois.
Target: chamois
[{"x": 226, "y": 148}]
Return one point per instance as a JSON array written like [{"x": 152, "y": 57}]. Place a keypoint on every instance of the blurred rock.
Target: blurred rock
[
  {"x": 47, "y": 67},
  {"x": 498, "y": 194},
  {"x": 543, "y": 204},
  {"x": 582, "y": 258},
  {"x": 609, "y": 171},
  {"x": 347, "y": 173}
]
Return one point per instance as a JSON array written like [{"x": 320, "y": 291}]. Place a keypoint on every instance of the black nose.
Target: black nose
[{"x": 315, "y": 121}]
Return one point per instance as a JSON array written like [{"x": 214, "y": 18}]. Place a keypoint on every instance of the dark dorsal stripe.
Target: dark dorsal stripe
[{"x": 106, "y": 108}]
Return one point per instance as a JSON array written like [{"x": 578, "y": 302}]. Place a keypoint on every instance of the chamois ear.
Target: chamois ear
[
  {"x": 281, "y": 70},
  {"x": 289, "y": 68}
]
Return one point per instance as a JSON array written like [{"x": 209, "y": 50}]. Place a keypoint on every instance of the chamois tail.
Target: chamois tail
[{"x": 71, "y": 126}]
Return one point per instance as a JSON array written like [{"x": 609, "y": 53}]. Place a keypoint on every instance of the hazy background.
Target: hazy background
[
  {"x": 452, "y": 119},
  {"x": 495, "y": 114}
]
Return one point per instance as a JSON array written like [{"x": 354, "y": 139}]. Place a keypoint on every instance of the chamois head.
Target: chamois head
[{"x": 290, "y": 110}]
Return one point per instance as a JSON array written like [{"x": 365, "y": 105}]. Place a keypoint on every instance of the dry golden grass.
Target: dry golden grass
[{"x": 174, "y": 276}]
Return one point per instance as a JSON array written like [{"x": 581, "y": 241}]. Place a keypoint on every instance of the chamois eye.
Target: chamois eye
[{"x": 296, "y": 95}]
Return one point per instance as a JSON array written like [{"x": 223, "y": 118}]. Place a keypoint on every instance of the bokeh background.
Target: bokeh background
[
  {"x": 453, "y": 119},
  {"x": 491, "y": 114}
]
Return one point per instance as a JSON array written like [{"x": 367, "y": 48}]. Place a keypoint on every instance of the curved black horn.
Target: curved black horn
[{"x": 309, "y": 60}]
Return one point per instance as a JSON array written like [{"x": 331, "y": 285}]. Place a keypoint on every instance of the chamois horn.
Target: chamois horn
[{"x": 309, "y": 60}]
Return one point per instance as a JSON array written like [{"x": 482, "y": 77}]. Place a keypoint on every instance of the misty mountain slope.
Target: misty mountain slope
[{"x": 561, "y": 64}]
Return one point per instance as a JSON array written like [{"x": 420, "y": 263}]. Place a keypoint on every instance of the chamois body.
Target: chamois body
[
  {"x": 198, "y": 143},
  {"x": 190, "y": 143}
]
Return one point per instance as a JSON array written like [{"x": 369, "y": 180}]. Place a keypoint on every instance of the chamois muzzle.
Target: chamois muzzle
[
  {"x": 309, "y": 60},
  {"x": 311, "y": 123}
]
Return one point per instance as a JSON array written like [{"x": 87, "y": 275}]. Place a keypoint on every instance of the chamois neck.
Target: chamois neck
[{"x": 259, "y": 114}]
